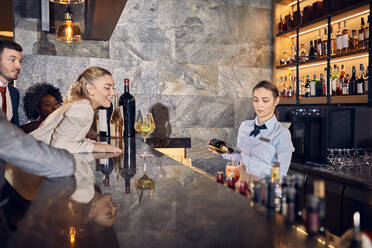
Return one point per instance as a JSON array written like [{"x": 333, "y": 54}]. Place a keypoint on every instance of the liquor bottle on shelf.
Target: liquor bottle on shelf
[
  {"x": 319, "y": 85},
  {"x": 342, "y": 79},
  {"x": 325, "y": 44},
  {"x": 280, "y": 87},
  {"x": 313, "y": 86},
  {"x": 293, "y": 54},
  {"x": 319, "y": 45},
  {"x": 346, "y": 85},
  {"x": 333, "y": 49},
  {"x": 116, "y": 121},
  {"x": 353, "y": 41},
  {"x": 339, "y": 41},
  {"x": 289, "y": 21},
  {"x": 345, "y": 39},
  {"x": 324, "y": 82},
  {"x": 315, "y": 49},
  {"x": 280, "y": 25},
  {"x": 307, "y": 87},
  {"x": 128, "y": 105},
  {"x": 312, "y": 54},
  {"x": 338, "y": 84},
  {"x": 366, "y": 34},
  {"x": 366, "y": 81},
  {"x": 303, "y": 53},
  {"x": 361, "y": 34},
  {"x": 360, "y": 82},
  {"x": 302, "y": 87},
  {"x": 353, "y": 83},
  {"x": 333, "y": 82},
  {"x": 285, "y": 93},
  {"x": 290, "y": 88}
]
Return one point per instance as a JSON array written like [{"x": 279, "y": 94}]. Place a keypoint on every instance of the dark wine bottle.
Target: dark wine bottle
[
  {"x": 219, "y": 146},
  {"x": 127, "y": 104},
  {"x": 129, "y": 167},
  {"x": 353, "y": 83}
]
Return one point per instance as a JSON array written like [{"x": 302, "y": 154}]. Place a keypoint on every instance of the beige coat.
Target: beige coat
[{"x": 65, "y": 128}]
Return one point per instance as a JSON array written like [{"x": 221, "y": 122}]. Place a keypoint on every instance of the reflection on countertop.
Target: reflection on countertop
[{"x": 185, "y": 209}]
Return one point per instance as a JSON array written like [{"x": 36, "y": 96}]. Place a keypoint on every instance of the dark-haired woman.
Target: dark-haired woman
[
  {"x": 40, "y": 101},
  {"x": 259, "y": 139}
]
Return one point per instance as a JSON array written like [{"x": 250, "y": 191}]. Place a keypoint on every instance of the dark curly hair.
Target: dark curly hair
[{"x": 33, "y": 96}]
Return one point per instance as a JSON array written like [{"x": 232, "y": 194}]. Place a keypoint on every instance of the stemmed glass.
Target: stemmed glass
[{"x": 145, "y": 127}]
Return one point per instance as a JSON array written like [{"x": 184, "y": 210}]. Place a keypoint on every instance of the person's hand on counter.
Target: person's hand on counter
[
  {"x": 102, "y": 155},
  {"x": 98, "y": 147}
]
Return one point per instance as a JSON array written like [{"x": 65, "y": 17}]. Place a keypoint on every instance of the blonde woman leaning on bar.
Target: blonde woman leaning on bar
[{"x": 68, "y": 126}]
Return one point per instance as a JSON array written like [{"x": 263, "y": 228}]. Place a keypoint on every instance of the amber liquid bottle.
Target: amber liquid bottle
[
  {"x": 325, "y": 44},
  {"x": 345, "y": 39},
  {"x": 361, "y": 33},
  {"x": 116, "y": 120},
  {"x": 333, "y": 43}
]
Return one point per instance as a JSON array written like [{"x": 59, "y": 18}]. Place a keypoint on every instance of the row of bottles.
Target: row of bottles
[
  {"x": 344, "y": 42},
  {"x": 117, "y": 122},
  {"x": 120, "y": 118},
  {"x": 341, "y": 83},
  {"x": 309, "y": 13}
]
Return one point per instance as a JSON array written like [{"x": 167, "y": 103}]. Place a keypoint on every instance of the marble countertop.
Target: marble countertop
[{"x": 185, "y": 209}]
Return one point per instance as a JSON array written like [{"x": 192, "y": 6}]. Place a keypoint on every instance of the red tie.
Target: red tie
[{"x": 3, "y": 96}]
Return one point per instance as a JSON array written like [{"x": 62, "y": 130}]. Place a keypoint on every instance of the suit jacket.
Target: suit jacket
[
  {"x": 14, "y": 96},
  {"x": 67, "y": 127},
  {"x": 30, "y": 155}
]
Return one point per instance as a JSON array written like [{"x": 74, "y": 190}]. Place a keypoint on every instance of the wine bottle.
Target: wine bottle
[
  {"x": 127, "y": 105},
  {"x": 360, "y": 82},
  {"x": 116, "y": 121},
  {"x": 353, "y": 83},
  {"x": 103, "y": 121},
  {"x": 219, "y": 146},
  {"x": 129, "y": 167}
]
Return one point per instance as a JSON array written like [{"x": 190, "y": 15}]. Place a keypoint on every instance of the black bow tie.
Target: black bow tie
[{"x": 257, "y": 129}]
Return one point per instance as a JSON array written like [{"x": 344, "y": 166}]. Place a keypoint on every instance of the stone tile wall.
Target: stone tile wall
[{"x": 200, "y": 59}]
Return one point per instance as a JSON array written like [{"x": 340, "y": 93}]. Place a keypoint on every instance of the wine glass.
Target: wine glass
[{"x": 145, "y": 127}]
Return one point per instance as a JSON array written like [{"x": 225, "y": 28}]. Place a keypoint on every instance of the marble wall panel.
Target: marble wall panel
[
  {"x": 25, "y": 33},
  {"x": 193, "y": 111},
  {"x": 243, "y": 110},
  {"x": 253, "y": 54},
  {"x": 182, "y": 79},
  {"x": 239, "y": 81}
]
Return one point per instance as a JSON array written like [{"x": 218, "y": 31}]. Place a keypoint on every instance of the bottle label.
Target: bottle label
[
  {"x": 319, "y": 49},
  {"x": 339, "y": 42},
  {"x": 345, "y": 39},
  {"x": 361, "y": 37},
  {"x": 359, "y": 88},
  {"x": 313, "y": 88},
  {"x": 102, "y": 120}
]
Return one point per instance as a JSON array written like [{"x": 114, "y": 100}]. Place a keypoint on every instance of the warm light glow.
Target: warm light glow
[
  {"x": 293, "y": 3},
  {"x": 299, "y": 229},
  {"x": 6, "y": 33},
  {"x": 72, "y": 235},
  {"x": 334, "y": 22},
  {"x": 332, "y": 61},
  {"x": 303, "y": 231}
]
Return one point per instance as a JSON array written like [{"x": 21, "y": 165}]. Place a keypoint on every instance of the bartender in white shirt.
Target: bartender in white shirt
[{"x": 259, "y": 139}]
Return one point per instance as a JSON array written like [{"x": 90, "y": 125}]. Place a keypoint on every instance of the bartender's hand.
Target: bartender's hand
[
  {"x": 98, "y": 147},
  {"x": 213, "y": 151}
]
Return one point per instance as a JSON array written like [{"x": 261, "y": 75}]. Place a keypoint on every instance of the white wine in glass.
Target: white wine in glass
[{"x": 144, "y": 126}]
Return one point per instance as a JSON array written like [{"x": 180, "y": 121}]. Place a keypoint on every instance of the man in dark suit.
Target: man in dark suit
[{"x": 10, "y": 67}]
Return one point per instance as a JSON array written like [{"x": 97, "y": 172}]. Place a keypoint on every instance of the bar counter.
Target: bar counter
[{"x": 187, "y": 208}]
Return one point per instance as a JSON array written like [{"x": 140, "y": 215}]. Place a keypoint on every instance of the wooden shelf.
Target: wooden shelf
[
  {"x": 313, "y": 100},
  {"x": 316, "y": 61},
  {"x": 336, "y": 15},
  {"x": 285, "y": 101},
  {"x": 349, "y": 99}
]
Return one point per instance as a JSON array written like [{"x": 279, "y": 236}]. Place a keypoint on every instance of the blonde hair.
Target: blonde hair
[{"x": 78, "y": 90}]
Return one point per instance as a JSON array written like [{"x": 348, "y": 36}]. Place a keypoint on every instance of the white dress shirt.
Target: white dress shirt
[{"x": 257, "y": 153}]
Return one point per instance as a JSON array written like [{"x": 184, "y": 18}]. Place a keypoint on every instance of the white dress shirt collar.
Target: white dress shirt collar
[{"x": 270, "y": 123}]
